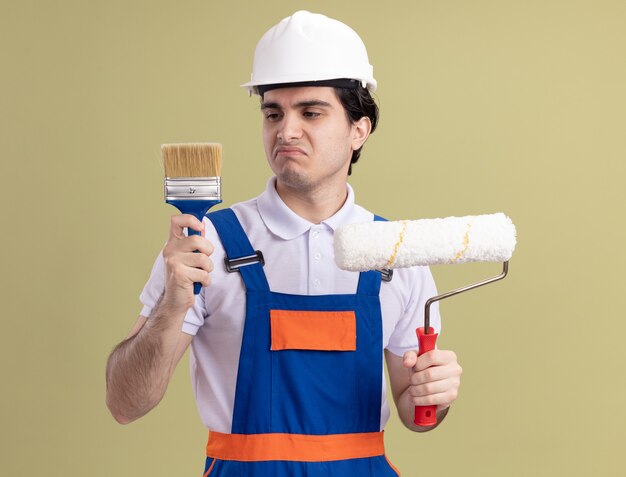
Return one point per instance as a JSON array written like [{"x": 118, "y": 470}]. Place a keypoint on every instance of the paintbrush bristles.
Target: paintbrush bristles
[{"x": 199, "y": 159}]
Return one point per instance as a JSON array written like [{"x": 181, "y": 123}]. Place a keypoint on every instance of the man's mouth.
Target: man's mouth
[{"x": 283, "y": 151}]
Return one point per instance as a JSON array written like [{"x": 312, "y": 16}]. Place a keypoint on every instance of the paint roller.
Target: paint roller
[{"x": 382, "y": 245}]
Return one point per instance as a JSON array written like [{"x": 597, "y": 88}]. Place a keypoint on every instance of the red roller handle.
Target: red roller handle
[{"x": 426, "y": 415}]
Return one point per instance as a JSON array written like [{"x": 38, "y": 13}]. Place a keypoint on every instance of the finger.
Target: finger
[
  {"x": 178, "y": 223},
  {"x": 409, "y": 359},
  {"x": 198, "y": 260},
  {"x": 429, "y": 375},
  {"x": 435, "y": 357},
  {"x": 436, "y": 373},
  {"x": 195, "y": 243},
  {"x": 198, "y": 275},
  {"x": 186, "y": 276},
  {"x": 179, "y": 276},
  {"x": 439, "y": 399},
  {"x": 186, "y": 269},
  {"x": 434, "y": 387}
]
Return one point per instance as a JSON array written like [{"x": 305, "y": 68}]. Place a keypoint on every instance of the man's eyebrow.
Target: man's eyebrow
[
  {"x": 314, "y": 102},
  {"x": 270, "y": 106},
  {"x": 301, "y": 104}
]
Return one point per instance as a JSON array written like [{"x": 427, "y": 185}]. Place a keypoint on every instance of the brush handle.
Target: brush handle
[
  {"x": 197, "y": 208},
  {"x": 196, "y": 286},
  {"x": 426, "y": 415}
]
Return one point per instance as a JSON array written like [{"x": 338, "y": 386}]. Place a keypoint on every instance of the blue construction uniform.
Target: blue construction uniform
[{"x": 302, "y": 393}]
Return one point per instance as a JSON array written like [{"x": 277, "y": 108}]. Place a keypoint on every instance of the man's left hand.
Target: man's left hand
[{"x": 435, "y": 378}]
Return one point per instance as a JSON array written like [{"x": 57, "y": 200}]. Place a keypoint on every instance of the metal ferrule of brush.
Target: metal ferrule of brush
[{"x": 193, "y": 188}]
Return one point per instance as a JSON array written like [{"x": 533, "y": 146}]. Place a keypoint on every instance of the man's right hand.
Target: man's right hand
[{"x": 183, "y": 266}]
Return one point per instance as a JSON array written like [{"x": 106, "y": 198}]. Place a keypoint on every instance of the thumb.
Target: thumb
[{"x": 410, "y": 359}]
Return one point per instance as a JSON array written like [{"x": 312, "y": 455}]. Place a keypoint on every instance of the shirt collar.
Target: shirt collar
[{"x": 285, "y": 223}]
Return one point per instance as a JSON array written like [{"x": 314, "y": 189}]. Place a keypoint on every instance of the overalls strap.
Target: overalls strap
[
  {"x": 237, "y": 245},
  {"x": 369, "y": 282}
]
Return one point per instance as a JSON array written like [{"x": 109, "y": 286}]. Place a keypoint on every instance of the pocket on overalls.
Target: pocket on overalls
[
  {"x": 222, "y": 468},
  {"x": 392, "y": 467},
  {"x": 382, "y": 467},
  {"x": 208, "y": 466},
  {"x": 314, "y": 374}
]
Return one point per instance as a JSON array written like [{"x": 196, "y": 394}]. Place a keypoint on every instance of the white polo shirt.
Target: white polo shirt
[{"x": 298, "y": 260}]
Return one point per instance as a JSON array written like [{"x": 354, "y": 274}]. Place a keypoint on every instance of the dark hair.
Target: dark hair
[{"x": 358, "y": 102}]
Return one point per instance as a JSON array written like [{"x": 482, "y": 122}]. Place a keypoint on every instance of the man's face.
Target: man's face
[{"x": 307, "y": 136}]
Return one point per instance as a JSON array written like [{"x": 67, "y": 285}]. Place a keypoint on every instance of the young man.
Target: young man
[{"x": 287, "y": 357}]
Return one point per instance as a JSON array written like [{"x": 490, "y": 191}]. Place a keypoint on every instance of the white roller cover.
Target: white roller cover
[{"x": 406, "y": 243}]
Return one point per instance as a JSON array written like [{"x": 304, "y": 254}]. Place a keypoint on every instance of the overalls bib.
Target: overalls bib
[{"x": 309, "y": 383}]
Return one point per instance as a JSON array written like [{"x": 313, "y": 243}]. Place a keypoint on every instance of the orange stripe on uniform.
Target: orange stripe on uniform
[
  {"x": 313, "y": 330},
  {"x": 294, "y": 447}
]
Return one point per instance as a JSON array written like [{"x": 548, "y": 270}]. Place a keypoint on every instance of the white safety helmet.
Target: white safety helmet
[{"x": 308, "y": 47}]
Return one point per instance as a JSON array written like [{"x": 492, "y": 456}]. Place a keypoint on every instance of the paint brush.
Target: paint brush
[{"x": 192, "y": 180}]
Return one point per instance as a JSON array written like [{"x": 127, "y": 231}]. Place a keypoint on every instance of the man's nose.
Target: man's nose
[{"x": 290, "y": 128}]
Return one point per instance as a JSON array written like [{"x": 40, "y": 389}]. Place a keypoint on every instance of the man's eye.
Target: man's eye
[
  {"x": 311, "y": 114},
  {"x": 271, "y": 116}
]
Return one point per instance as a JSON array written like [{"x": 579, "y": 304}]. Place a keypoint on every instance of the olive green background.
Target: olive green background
[{"x": 513, "y": 106}]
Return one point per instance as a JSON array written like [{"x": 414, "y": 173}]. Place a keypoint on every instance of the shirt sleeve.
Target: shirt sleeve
[
  {"x": 420, "y": 287},
  {"x": 153, "y": 290}
]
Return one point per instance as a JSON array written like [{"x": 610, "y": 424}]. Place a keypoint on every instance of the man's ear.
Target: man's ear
[{"x": 361, "y": 131}]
